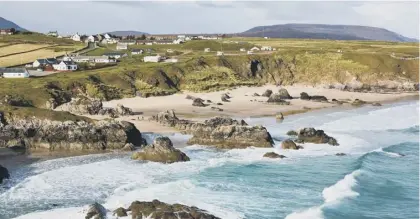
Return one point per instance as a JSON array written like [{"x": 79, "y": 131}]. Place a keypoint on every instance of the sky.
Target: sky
[{"x": 172, "y": 17}]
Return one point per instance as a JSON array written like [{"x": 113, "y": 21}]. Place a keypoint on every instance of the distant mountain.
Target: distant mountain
[
  {"x": 127, "y": 32},
  {"x": 324, "y": 31},
  {"x": 6, "y": 24}
]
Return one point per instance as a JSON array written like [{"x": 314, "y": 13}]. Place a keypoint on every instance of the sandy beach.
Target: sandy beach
[{"x": 242, "y": 104}]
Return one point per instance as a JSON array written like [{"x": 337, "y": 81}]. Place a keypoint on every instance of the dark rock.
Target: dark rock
[
  {"x": 120, "y": 212},
  {"x": 274, "y": 155},
  {"x": 216, "y": 108},
  {"x": 358, "y": 102},
  {"x": 123, "y": 111},
  {"x": 312, "y": 135},
  {"x": 284, "y": 94},
  {"x": 160, "y": 210},
  {"x": 225, "y": 96},
  {"x": 305, "y": 96},
  {"x": 255, "y": 95},
  {"x": 96, "y": 211},
  {"x": 162, "y": 151},
  {"x": 267, "y": 93},
  {"x": 209, "y": 101},
  {"x": 299, "y": 141},
  {"x": 198, "y": 102},
  {"x": 292, "y": 133},
  {"x": 376, "y": 104},
  {"x": 340, "y": 154},
  {"x": 289, "y": 144},
  {"x": 189, "y": 97},
  {"x": 277, "y": 99},
  {"x": 224, "y": 99},
  {"x": 4, "y": 174},
  {"x": 219, "y": 104},
  {"x": 280, "y": 116}
]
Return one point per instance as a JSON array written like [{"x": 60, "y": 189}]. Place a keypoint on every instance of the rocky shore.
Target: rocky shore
[
  {"x": 221, "y": 132},
  {"x": 162, "y": 150}
]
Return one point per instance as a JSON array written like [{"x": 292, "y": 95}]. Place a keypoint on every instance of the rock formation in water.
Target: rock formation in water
[
  {"x": 289, "y": 144},
  {"x": 305, "y": 96},
  {"x": 312, "y": 135},
  {"x": 160, "y": 210},
  {"x": 96, "y": 211},
  {"x": 162, "y": 150},
  {"x": 221, "y": 132},
  {"x": 4, "y": 174},
  {"x": 273, "y": 155},
  {"x": 70, "y": 135}
]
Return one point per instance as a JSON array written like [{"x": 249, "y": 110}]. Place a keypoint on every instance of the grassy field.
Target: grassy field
[
  {"x": 32, "y": 56},
  {"x": 19, "y": 48}
]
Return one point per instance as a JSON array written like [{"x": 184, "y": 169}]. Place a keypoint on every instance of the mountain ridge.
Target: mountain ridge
[
  {"x": 6, "y": 24},
  {"x": 124, "y": 33}
]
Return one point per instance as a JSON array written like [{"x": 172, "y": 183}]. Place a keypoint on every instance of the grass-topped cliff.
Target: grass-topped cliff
[{"x": 305, "y": 62}]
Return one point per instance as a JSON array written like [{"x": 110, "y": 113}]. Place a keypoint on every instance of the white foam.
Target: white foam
[
  {"x": 342, "y": 189},
  {"x": 62, "y": 213},
  {"x": 392, "y": 154},
  {"x": 311, "y": 213}
]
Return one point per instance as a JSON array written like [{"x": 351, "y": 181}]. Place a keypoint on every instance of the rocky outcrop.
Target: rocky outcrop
[
  {"x": 120, "y": 212},
  {"x": 70, "y": 135},
  {"x": 292, "y": 133},
  {"x": 15, "y": 100},
  {"x": 277, "y": 99},
  {"x": 162, "y": 150},
  {"x": 198, "y": 102},
  {"x": 376, "y": 104},
  {"x": 273, "y": 155},
  {"x": 267, "y": 93},
  {"x": 284, "y": 94},
  {"x": 85, "y": 106},
  {"x": 340, "y": 154},
  {"x": 96, "y": 211},
  {"x": 221, "y": 132},
  {"x": 4, "y": 174},
  {"x": 305, "y": 96},
  {"x": 289, "y": 144},
  {"x": 358, "y": 102},
  {"x": 160, "y": 210},
  {"x": 312, "y": 135},
  {"x": 280, "y": 116}
]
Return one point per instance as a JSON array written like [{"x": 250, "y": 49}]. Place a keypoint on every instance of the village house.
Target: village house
[
  {"x": 91, "y": 38},
  {"x": 207, "y": 50},
  {"x": 219, "y": 53},
  {"x": 115, "y": 55},
  {"x": 6, "y": 32},
  {"x": 14, "y": 73},
  {"x": 137, "y": 51},
  {"x": 75, "y": 37},
  {"x": 121, "y": 46},
  {"x": 242, "y": 49},
  {"x": 156, "y": 58},
  {"x": 266, "y": 48},
  {"x": 169, "y": 50},
  {"x": 249, "y": 52},
  {"x": 42, "y": 62},
  {"x": 52, "y": 33},
  {"x": 65, "y": 66},
  {"x": 93, "y": 59},
  {"x": 128, "y": 42},
  {"x": 163, "y": 42},
  {"x": 255, "y": 49},
  {"x": 145, "y": 42},
  {"x": 178, "y": 41}
]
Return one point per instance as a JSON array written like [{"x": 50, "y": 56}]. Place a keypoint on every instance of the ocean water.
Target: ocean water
[{"x": 378, "y": 179}]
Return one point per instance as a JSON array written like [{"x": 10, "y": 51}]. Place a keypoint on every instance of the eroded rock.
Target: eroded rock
[
  {"x": 289, "y": 144},
  {"x": 4, "y": 174},
  {"x": 312, "y": 135},
  {"x": 274, "y": 155},
  {"x": 96, "y": 211},
  {"x": 162, "y": 150}
]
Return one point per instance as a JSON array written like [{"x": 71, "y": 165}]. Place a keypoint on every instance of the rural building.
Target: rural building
[
  {"x": 6, "y": 32},
  {"x": 255, "y": 48},
  {"x": 207, "y": 50},
  {"x": 14, "y": 73},
  {"x": 169, "y": 50},
  {"x": 242, "y": 49},
  {"x": 219, "y": 53},
  {"x": 93, "y": 59},
  {"x": 42, "y": 62},
  {"x": 249, "y": 52},
  {"x": 178, "y": 41},
  {"x": 163, "y": 42},
  {"x": 52, "y": 33},
  {"x": 65, "y": 66},
  {"x": 157, "y": 58},
  {"x": 137, "y": 51},
  {"x": 266, "y": 48},
  {"x": 107, "y": 36},
  {"x": 145, "y": 42},
  {"x": 92, "y": 38},
  {"x": 128, "y": 42},
  {"x": 75, "y": 37},
  {"x": 121, "y": 46},
  {"x": 115, "y": 55}
]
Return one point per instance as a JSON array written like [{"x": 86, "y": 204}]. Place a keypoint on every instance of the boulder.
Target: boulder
[
  {"x": 224, "y": 99},
  {"x": 189, "y": 97},
  {"x": 198, "y": 102},
  {"x": 216, "y": 108},
  {"x": 256, "y": 95},
  {"x": 292, "y": 133},
  {"x": 358, "y": 102},
  {"x": 284, "y": 94},
  {"x": 277, "y": 99},
  {"x": 160, "y": 210},
  {"x": 96, "y": 211},
  {"x": 219, "y": 104},
  {"x": 305, "y": 96},
  {"x": 267, "y": 93},
  {"x": 273, "y": 155},
  {"x": 225, "y": 96},
  {"x": 209, "y": 101},
  {"x": 289, "y": 144},
  {"x": 280, "y": 116},
  {"x": 123, "y": 111},
  {"x": 4, "y": 174},
  {"x": 376, "y": 104},
  {"x": 340, "y": 154},
  {"x": 161, "y": 150},
  {"x": 312, "y": 135},
  {"x": 83, "y": 106},
  {"x": 120, "y": 212}
]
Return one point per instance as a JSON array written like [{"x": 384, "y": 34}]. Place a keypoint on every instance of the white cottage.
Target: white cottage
[
  {"x": 255, "y": 48},
  {"x": 14, "y": 73},
  {"x": 65, "y": 66},
  {"x": 207, "y": 50},
  {"x": 242, "y": 49},
  {"x": 122, "y": 46},
  {"x": 75, "y": 37},
  {"x": 157, "y": 58},
  {"x": 219, "y": 53},
  {"x": 266, "y": 48},
  {"x": 137, "y": 51}
]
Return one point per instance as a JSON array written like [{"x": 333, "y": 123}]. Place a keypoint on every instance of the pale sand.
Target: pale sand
[{"x": 240, "y": 104}]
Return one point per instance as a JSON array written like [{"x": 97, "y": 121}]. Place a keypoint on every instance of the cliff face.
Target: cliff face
[{"x": 35, "y": 134}]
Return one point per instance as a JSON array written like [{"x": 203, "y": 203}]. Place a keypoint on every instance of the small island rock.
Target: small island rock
[{"x": 162, "y": 150}]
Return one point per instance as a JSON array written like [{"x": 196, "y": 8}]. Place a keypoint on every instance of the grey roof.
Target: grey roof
[
  {"x": 137, "y": 50},
  {"x": 113, "y": 54},
  {"x": 12, "y": 70},
  {"x": 47, "y": 61},
  {"x": 69, "y": 62}
]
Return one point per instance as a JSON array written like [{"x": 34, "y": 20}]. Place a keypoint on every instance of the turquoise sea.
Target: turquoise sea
[{"x": 377, "y": 179}]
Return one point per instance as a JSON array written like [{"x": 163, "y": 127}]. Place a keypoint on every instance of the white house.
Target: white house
[
  {"x": 249, "y": 52},
  {"x": 137, "y": 51},
  {"x": 169, "y": 50},
  {"x": 115, "y": 55},
  {"x": 219, "y": 53},
  {"x": 266, "y": 48},
  {"x": 255, "y": 48},
  {"x": 157, "y": 58},
  {"x": 14, "y": 73},
  {"x": 107, "y": 36},
  {"x": 65, "y": 66},
  {"x": 92, "y": 38},
  {"x": 75, "y": 37},
  {"x": 242, "y": 49},
  {"x": 52, "y": 33},
  {"x": 178, "y": 41},
  {"x": 39, "y": 62},
  {"x": 207, "y": 50},
  {"x": 93, "y": 59},
  {"x": 121, "y": 46}
]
